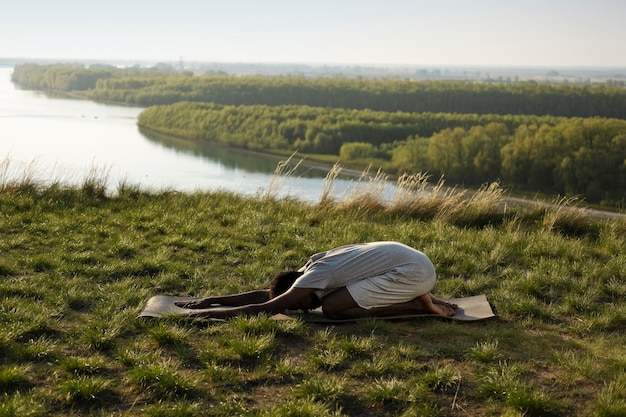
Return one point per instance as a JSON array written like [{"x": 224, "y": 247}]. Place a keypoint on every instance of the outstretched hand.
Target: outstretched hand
[{"x": 195, "y": 304}]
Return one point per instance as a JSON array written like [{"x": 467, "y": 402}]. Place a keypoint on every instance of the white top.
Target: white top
[{"x": 348, "y": 264}]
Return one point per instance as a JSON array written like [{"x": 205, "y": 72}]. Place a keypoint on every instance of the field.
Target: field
[{"x": 77, "y": 265}]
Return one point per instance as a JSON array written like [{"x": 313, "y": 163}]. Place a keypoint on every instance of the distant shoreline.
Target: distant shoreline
[{"x": 477, "y": 73}]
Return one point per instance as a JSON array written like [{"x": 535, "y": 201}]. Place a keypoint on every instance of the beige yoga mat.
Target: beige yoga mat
[{"x": 470, "y": 309}]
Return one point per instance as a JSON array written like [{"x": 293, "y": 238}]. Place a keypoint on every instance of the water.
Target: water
[{"x": 56, "y": 139}]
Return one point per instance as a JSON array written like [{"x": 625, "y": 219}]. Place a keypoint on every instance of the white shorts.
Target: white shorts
[{"x": 397, "y": 286}]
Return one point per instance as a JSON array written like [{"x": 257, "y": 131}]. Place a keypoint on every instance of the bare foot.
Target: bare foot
[
  {"x": 439, "y": 301},
  {"x": 444, "y": 311},
  {"x": 436, "y": 306}
]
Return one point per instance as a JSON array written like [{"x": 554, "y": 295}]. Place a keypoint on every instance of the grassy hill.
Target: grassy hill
[{"x": 77, "y": 265}]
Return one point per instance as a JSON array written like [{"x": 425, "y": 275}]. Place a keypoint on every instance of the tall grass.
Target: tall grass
[
  {"x": 17, "y": 176},
  {"x": 284, "y": 169},
  {"x": 77, "y": 264}
]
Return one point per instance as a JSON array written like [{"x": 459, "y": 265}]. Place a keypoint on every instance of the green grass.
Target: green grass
[{"x": 77, "y": 265}]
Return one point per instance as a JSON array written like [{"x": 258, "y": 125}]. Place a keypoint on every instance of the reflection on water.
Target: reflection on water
[
  {"x": 234, "y": 158},
  {"x": 216, "y": 153}
]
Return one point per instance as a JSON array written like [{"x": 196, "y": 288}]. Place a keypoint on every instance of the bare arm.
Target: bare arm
[
  {"x": 245, "y": 298},
  {"x": 292, "y": 299}
]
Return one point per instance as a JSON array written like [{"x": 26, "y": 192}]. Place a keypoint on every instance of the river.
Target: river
[{"x": 58, "y": 139}]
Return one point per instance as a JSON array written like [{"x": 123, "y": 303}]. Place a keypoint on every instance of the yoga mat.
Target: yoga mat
[{"x": 470, "y": 309}]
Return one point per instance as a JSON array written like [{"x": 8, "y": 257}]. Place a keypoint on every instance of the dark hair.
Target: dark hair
[{"x": 283, "y": 281}]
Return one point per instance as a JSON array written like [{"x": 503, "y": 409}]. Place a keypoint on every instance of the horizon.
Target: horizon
[
  {"x": 152, "y": 62},
  {"x": 401, "y": 33}
]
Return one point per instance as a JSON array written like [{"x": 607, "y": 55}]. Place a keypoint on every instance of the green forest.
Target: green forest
[
  {"x": 539, "y": 137},
  {"x": 151, "y": 86}
]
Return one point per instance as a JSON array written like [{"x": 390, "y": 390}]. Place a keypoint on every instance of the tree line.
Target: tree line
[
  {"x": 580, "y": 156},
  {"x": 77, "y": 77},
  {"x": 525, "y": 134},
  {"x": 378, "y": 95},
  {"x": 147, "y": 87}
]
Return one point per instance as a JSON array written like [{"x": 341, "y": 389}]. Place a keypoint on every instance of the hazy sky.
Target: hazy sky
[{"x": 556, "y": 33}]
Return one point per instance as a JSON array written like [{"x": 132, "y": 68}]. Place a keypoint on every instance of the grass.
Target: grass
[{"x": 77, "y": 265}]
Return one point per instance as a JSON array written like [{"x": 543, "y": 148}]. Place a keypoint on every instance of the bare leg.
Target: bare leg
[{"x": 340, "y": 305}]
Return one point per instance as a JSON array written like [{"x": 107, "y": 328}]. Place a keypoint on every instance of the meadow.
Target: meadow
[{"x": 77, "y": 265}]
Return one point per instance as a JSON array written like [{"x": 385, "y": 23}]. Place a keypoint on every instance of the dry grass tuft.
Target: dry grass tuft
[
  {"x": 367, "y": 195},
  {"x": 566, "y": 217},
  {"x": 328, "y": 190},
  {"x": 16, "y": 178},
  {"x": 416, "y": 197},
  {"x": 284, "y": 170},
  {"x": 485, "y": 206}
]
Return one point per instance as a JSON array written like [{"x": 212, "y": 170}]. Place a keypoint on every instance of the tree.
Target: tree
[
  {"x": 353, "y": 151},
  {"x": 446, "y": 154},
  {"x": 411, "y": 155}
]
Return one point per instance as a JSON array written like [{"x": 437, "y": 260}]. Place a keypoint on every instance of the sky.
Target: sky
[{"x": 503, "y": 33}]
